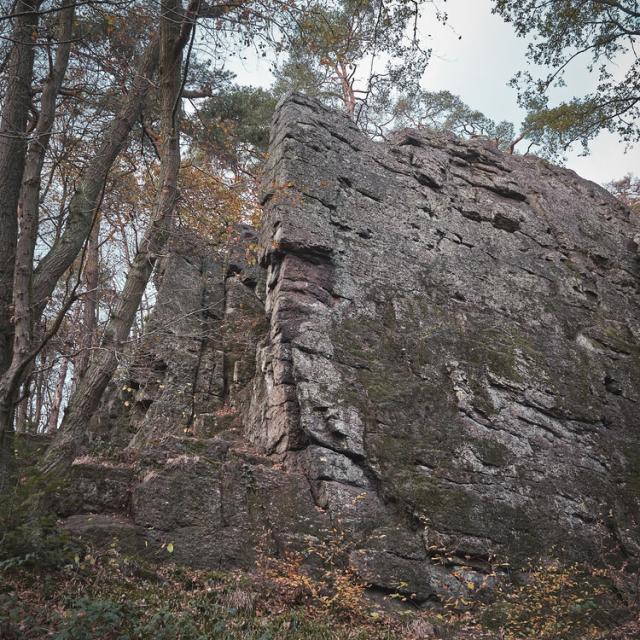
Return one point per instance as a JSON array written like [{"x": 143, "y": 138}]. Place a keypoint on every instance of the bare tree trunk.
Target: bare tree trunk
[
  {"x": 514, "y": 143},
  {"x": 82, "y": 208},
  {"x": 346, "y": 81},
  {"x": 86, "y": 397},
  {"x": 22, "y": 417},
  {"x": 29, "y": 204},
  {"x": 86, "y": 198},
  {"x": 13, "y": 146},
  {"x": 29, "y": 197},
  {"x": 90, "y": 301},
  {"x": 27, "y": 214},
  {"x": 56, "y": 401},
  {"x": 42, "y": 388}
]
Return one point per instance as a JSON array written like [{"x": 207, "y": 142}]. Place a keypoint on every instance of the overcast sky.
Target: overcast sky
[{"x": 478, "y": 67}]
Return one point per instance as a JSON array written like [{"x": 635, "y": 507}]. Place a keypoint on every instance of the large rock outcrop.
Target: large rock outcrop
[
  {"x": 447, "y": 364},
  {"x": 454, "y": 332}
]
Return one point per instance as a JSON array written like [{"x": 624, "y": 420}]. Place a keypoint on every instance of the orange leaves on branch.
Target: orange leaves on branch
[
  {"x": 213, "y": 204},
  {"x": 110, "y": 23}
]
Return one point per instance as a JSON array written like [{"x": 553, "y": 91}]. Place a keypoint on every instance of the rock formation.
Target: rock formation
[{"x": 440, "y": 357}]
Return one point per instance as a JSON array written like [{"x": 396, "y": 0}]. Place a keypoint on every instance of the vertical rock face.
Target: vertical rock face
[
  {"x": 181, "y": 361},
  {"x": 454, "y": 346},
  {"x": 447, "y": 363},
  {"x": 182, "y": 473},
  {"x": 189, "y": 370}
]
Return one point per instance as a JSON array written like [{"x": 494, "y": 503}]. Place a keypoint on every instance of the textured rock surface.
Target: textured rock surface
[
  {"x": 455, "y": 334},
  {"x": 447, "y": 362},
  {"x": 187, "y": 477}
]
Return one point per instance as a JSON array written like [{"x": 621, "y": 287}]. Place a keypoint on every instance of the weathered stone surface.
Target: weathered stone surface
[
  {"x": 180, "y": 366},
  {"x": 460, "y": 332},
  {"x": 441, "y": 358},
  {"x": 105, "y": 531},
  {"x": 395, "y": 560},
  {"x": 96, "y": 486}
]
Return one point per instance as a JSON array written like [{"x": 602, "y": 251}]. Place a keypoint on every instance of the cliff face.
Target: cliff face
[{"x": 448, "y": 360}]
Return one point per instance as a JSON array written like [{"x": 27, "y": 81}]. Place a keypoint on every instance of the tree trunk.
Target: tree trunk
[
  {"x": 7, "y": 461},
  {"x": 346, "y": 81},
  {"x": 18, "y": 335},
  {"x": 13, "y": 146},
  {"x": 29, "y": 203},
  {"x": 42, "y": 387},
  {"x": 22, "y": 408},
  {"x": 82, "y": 208},
  {"x": 89, "y": 301},
  {"x": 86, "y": 397},
  {"x": 56, "y": 401},
  {"x": 86, "y": 198}
]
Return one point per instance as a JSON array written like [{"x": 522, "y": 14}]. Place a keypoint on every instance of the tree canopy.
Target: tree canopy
[
  {"x": 604, "y": 33},
  {"x": 446, "y": 111},
  {"x": 358, "y": 54}
]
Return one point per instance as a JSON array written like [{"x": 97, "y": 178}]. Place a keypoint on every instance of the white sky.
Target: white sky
[{"x": 478, "y": 68}]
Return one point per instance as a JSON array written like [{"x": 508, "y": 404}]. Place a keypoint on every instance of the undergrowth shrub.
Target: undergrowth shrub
[
  {"x": 107, "y": 596},
  {"x": 90, "y": 618},
  {"x": 109, "y": 620}
]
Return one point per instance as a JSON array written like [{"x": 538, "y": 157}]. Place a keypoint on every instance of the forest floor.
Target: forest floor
[
  {"x": 55, "y": 586},
  {"x": 108, "y": 596}
]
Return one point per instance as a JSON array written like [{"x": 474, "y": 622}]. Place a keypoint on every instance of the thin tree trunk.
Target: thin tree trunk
[
  {"x": 27, "y": 214},
  {"x": 89, "y": 301},
  {"x": 29, "y": 204},
  {"x": 348, "y": 95},
  {"x": 56, "y": 401},
  {"x": 86, "y": 397},
  {"x": 7, "y": 460},
  {"x": 82, "y": 208},
  {"x": 42, "y": 389},
  {"x": 86, "y": 198},
  {"x": 29, "y": 197},
  {"x": 13, "y": 145},
  {"x": 22, "y": 418}
]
